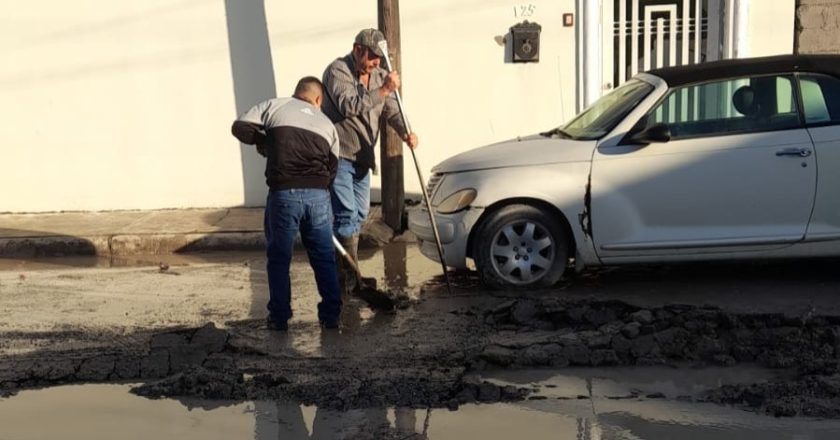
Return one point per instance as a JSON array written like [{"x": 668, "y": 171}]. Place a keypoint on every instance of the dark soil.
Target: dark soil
[{"x": 428, "y": 357}]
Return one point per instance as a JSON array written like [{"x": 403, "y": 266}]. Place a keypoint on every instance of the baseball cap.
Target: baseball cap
[{"x": 370, "y": 38}]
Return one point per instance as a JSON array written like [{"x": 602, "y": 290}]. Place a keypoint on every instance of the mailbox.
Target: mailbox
[{"x": 526, "y": 42}]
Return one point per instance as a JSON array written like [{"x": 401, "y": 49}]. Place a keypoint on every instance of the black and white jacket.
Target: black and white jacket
[{"x": 300, "y": 143}]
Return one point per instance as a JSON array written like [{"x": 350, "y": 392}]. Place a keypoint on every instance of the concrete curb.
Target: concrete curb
[
  {"x": 123, "y": 245},
  {"x": 52, "y": 246},
  {"x": 130, "y": 244},
  {"x": 374, "y": 235}
]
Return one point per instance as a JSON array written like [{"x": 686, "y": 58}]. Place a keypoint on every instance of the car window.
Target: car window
[
  {"x": 741, "y": 105},
  {"x": 820, "y": 99},
  {"x": 602, "y": 116}
]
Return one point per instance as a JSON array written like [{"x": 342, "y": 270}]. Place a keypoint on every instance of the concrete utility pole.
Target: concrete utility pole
[{"x": 390, "y": 144}]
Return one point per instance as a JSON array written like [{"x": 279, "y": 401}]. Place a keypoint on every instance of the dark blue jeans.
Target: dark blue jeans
[{"x": 307, "y": 211}]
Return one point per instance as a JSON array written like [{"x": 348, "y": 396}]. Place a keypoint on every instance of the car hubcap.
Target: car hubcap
[{"x": 522, "y": 252}]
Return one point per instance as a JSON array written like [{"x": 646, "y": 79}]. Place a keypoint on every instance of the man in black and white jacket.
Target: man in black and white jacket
[{"x": 301, "y": 147}]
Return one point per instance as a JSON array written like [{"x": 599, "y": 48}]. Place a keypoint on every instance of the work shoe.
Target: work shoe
[{"x": 279, "y": 326}]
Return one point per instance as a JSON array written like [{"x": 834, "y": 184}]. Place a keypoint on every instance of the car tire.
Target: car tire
[{"x": 501, "y": 263}]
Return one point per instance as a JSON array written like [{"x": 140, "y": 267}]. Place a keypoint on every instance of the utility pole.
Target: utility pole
[{"x": 390, "y": 144}]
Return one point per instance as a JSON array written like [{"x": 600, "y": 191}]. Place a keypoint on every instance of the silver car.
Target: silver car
[{"x": 736, "y": 159}]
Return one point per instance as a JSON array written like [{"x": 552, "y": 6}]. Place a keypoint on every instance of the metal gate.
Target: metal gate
[{"x": 640, "y": 35}]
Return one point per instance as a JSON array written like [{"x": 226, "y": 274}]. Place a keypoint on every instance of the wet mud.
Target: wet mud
[
  {"x": 432, "y": 354},
  {"x": 436, "y": 349},
  {"x": 560, "y": 333},
  {"x": 247, "y": 361}
]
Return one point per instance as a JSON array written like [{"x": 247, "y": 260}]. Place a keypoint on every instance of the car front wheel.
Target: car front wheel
[{"x": 521, "y": 246}]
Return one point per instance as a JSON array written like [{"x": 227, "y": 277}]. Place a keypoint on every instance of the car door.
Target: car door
[
  {"x": 737, "y": 174},
  {"x": 821, "y": 107}
]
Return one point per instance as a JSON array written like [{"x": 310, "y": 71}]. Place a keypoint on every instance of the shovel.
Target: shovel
[{"x": 366, "y": 289}]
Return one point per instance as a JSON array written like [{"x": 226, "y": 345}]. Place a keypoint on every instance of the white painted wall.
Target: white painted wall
[
  {"x": 127, "y": 105},
  {"x": 116, "y": 105},
  {"x": 457, "y": 89},
  {"x": 767, "y": 27}
]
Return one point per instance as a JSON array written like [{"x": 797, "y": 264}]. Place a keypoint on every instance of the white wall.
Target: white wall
[
  {"x": 116, "y": 105},
  {"x": 460, "y": 93},
  {"x": 127, "y": 105},
  {"x": 457, "y": 89},
  {"x": 767, "y": 27}
]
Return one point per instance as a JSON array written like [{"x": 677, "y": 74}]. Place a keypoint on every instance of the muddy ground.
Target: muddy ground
[{"x": 196, "y": 330}]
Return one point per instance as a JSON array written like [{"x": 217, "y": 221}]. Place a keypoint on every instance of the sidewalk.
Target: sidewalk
[{"x": 122, "y": 233}]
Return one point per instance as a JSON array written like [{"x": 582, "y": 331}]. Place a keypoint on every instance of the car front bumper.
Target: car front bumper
[{"x": 454, "y": 231}]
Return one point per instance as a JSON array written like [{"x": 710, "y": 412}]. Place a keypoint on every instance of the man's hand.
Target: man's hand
[
  {"x": 412, "y": 140},
  {"x": 392, "y": 83},
  {"x": 261, "y": 141}
]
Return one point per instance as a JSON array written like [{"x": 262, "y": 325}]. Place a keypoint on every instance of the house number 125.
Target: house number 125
[{"x": 524, "y": 10}]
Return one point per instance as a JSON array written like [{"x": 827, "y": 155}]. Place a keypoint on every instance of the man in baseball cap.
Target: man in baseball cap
[
  {"x": 370, "y": 38},
  {"x": 359, "y": 94}
]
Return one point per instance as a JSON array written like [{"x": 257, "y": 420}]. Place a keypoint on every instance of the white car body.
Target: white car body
[{"x": 733, "y": 196}]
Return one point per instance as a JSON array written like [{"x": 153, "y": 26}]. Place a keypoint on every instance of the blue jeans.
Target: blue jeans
[
  {"x": 350, "y": 198},
  {"x": 307, "y": 211}
]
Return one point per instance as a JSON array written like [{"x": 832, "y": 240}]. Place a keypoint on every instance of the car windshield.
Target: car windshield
[{"x": 601, "y": 117}]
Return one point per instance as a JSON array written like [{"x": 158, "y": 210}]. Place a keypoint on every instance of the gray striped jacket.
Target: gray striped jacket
[{"x": 356, "y": 110}]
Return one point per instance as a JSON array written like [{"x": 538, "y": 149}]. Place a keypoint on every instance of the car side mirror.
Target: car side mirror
[{"x": 655, "y": 133}]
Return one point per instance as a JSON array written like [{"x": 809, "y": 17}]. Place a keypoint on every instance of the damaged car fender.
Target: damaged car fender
[{"x": 558, "y": 188}]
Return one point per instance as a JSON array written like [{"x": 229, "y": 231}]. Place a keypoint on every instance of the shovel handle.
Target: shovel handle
[
  {"x": 339, "y": 247},
  {"x": 347, "y": 256}
]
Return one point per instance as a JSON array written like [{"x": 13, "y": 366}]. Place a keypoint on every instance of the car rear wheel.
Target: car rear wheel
[{"x": 521, "y": 246}]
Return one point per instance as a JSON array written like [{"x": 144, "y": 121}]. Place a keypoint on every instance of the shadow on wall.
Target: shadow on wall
[{"x": 253, "y": 81}]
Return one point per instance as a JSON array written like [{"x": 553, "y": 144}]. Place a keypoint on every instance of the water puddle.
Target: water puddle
[
  {"x": 589, "y": 404},
  {"x": 622, "y": 382}
]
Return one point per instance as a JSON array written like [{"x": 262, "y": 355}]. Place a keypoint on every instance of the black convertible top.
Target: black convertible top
[{"x": 715, "y": 70}]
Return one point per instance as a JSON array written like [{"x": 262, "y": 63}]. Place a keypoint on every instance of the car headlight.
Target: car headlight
[{"x": 457, "y": 201}]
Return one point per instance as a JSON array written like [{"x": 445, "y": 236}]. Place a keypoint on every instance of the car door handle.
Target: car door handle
[{"x": 796, "y": 152}]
